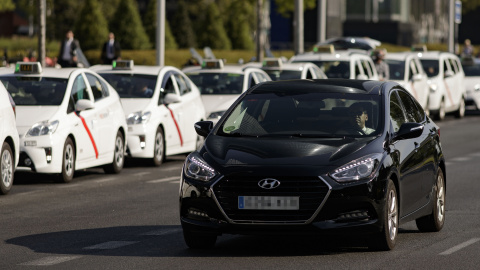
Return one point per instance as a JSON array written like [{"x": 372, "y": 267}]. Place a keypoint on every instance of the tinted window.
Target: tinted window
[
  {"x": 132, "y": 85},
  {"x": 99, "y": 90},
  {"x": 430, "y": 67},
  {"x": 79, "y": 89},
  {"x": 397, "y": 69},
  {"x": 411, "y": 110},
  {"x": 396, "y": 112},
  {"x": 217, "y": 83},
  {"x": 35, "y": 90},
  {"x": 471, "y": 70},
  {"x": 333, "y": 69},
  {"x": 183, "y": 85},
  {"x": 453, "y": 65}
]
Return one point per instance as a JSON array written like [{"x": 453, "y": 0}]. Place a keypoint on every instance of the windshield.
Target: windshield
[
  {"x": 397, "y": 69},
  {"x": 35, "y": 90},
  {"x": 280, "y": 75},
  {"x": 333, "y": 69},
  {"x": 471, "y": 70},
  {"x": 132, "y": 85},
  {"x": 430, "y": 67},
  {"x": 304, "y": 114},
  {"x": 218, "y": 83}
]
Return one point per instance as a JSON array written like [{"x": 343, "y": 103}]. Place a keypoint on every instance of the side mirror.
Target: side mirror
[
  {"x": 84, "y": 104},
  {"x": 203, "y": 128},
  {"x": 409, "y": 131},
  {"x": 171, "y": 98},
  {"x": 417, "y": 77},
  {"x": 448, "y": 73}
]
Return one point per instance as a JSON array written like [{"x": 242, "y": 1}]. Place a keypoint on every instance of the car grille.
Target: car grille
[{"x": 311, "y": 191}]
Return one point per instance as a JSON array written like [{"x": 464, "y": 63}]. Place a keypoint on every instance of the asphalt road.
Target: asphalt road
[{"x": 131, "y": 221}]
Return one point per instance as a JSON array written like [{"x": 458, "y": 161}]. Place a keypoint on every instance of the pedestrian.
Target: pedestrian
[
  {"x": 69, "y": 51},
  {"x": 467, "y": 48},
  {"x": 111, "y": 50},
  {"x": 382, "y": 68}
]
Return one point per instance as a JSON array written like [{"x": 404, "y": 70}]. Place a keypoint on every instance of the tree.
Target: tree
[
  {"x": 128, "y": 28},
  {"x": 286, "y": 7},
  {"x": 150, "y": 24},
  {"x": 183, "y": 31},
  {"x": 214, "y": 34},
  {"x": 239, "y": 27},
  {"x": 91, "y": 37},
  {"x": 6, "y": 5}
]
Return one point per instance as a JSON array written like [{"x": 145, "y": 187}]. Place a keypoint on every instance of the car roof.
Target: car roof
[
  {"x": 239, "y": 69},
  {"x": 402, "y": 56},
  {"x": 349, "y": 41},
  {"x": 50, "y": 72},
  {"x": 137, "y": 69},
  {"x": 434, "y": 54},
  {"x": 336, "y": 56}
]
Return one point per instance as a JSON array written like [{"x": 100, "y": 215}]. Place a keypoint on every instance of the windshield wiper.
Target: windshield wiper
[{"x": 239, "y": 134}]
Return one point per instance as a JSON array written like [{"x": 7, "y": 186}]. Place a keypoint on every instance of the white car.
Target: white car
[
  {"x": 406, "y": 70},
  {"x": 278, "y": 70},
  {"x": 220, "y": 85},
  {"x": 447, "y": 83},
  {"x": 68, "y": 119},
  {"x": 347, "y": 64},
  {"x": 9, "y": 139},
  {"x": 471, "y": 67},
  {"x": 161, "y": 106}
]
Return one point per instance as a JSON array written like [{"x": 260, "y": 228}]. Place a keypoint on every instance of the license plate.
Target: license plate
[{"x": 268, "y": 203}]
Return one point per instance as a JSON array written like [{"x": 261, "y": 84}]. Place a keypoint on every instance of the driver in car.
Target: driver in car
[{"x": 358, "y": 115}]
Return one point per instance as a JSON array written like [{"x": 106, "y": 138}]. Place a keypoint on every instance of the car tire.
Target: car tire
[
  {"x": 460, "y": 112},
  {"x": 158, "y": 148},
  {"x": 198, "y": 240},
  {"x": 435, "y": 221},
  {"x": 68, "y": 162},
  {"x": 6, "y": 169},
  {"x": 118, "y": 155},
  {"x": 387, "y": 238},
  {"x": 440, "y": 115}
]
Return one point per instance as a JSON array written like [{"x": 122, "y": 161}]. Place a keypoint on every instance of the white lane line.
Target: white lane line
[
  {"x": 111, "y": 245},
  {"x": 172, "y": 169},
  {"x": 69, "y": 186},
  {"x": 106, "y": 180},
  {"x": 161, "y": 232},
  {"x": 51, "y": 260},
  {"x": 164, "y": 179},
  {"x": 448, "y": 163},
  {"x": 460, "y": 159},
  {"x": 458, "y": 247},
  {"x": 140, "y": 174},
  {"x": 475, "y": 155},
  {"x": 28, "y": 192}
]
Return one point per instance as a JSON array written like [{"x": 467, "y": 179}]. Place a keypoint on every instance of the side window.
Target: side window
[
  {"x": 357, "y": 69},
  {"x": 318, "y": 73},
  {"x": 79, "y": 89},
  {"x": 453, "y": 65},
  {"x": 366, "y": 68},
  {"x": 445, "y": 66},
  {"x": 183, "y": 85},
  {"x": 458, "y": 65},
  {"x": 309, "y": 74},
  {"x": 412, "y": 111},
  {"x": 251, "y": 80},
  {"x": 99, "y": 89},
  {"x": 261, "y": 77},
  {"x": 396, "y": 112},
  {"x": 168, "y": 88}
]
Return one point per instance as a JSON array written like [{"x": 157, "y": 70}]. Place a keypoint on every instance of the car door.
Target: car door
[
  {"x": 419, "y": 83},
  {"x": 449, "y": 83},
  {"x": 188, "y": 110},
  {"x": 414, "y": 155},
  {"x": 172, "y": 131}
]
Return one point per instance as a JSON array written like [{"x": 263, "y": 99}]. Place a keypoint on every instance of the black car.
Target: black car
[{"x": 315, "y": 156}]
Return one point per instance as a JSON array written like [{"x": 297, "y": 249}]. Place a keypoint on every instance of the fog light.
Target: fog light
[
  {"x": 28, "y": 162},
  {"x": 142, "y": 141},
  {"x": 48, "y": 154},
  {"x": 196, "y": 212},
  {"x": 353, "y": 216}
]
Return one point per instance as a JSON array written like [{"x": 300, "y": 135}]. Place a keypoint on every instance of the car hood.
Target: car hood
[
  {"x": 226, "y": 151},
  {"x": 131, "y": 105},
  {"x": 27, "y": 116},
  {"x": 215, "y": 103}
]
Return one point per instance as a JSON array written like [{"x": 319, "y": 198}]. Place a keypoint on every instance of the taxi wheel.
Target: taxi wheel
[
  {"x": 118, "y": 155},
  {"x": 159, "y": 148},
  {"x": 6, "y": 169},
  {"x": 434, "y": 222},
  {"x": 440, "y": 116},
  {"x": 68, "y": 162},
  {"x": 387, "y": 238},
  {"x": 460, "y": 113}
]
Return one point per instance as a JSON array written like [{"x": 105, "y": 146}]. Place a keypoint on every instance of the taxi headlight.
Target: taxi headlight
[
  {"x": 196, "y": 168},
  {"x": 42, "y": 128},
  {"x": 433, "y": 87},
  {"x": 138, "y": 118},
  {"x": 358, "y": 169},
  {"x": 216, "y": 115}
]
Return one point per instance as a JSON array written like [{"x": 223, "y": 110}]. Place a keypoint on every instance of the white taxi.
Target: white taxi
[
  {"x": 278, "y": 70},
  {"x": 447, "y": 83},
  {"x": 406, "y": 69},
  {"x": 68, "y": 119},
  {"x": 9, "y": 140},
  {"x": 161, "y": 106},
  {"x": 220, "y": 85},
  {"x": 471, "y": 67},
  {"x": 346, "y": 64}
]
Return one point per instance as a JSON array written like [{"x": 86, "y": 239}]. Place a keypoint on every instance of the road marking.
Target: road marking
[
  {"x": 475, "y": 155},
  {"x": 69, "y": 186},
  {"x": 460, "y": 159},
  {"x": 106, "y": 179},
  {"x": 28, "y": 192},
  {"x": 448, "y": 163},
  {"x": 141, "y": 173},
  {"x": 164, "y": 179},
  {"x": 51, "y": 260},
  {"x": 161, "y": 232},
  {"x": 172, "y": 169},
  {"x": 458, "y": 247},
  {"x": 111, "y": 245},
  {"x": 175, "y": 182}
]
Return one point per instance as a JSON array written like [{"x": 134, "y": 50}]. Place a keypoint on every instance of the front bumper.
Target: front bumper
[
  {"x": 140, "y": 141},
  {"x": 42, "y": 154}
]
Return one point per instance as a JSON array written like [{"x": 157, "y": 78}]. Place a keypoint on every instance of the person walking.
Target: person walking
[
  {"x": 68, "y": 51},
  {"x": 111, "y": 50}
]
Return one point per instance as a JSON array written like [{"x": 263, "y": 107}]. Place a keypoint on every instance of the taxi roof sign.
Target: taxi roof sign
[
  {"x": 212, "y": 64},
  {"x": 122, "y": 64},
  {"x": 28, "y": 68},
  {"x": 324, "y": 49},
  {"x": 272, "y": 62}
]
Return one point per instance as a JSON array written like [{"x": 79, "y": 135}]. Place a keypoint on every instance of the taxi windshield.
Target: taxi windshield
[
  {"x": 131, "y": 85},
  {"x": 333, "y": 69},
  {"x": 279, "y": 75},
  {"x": 35, "y": 90},
  {"x": 430, "y": 67},
  {"x": 471, "y": 70},
  {"x": 218, "y": 83},
  {"x": 397, "y": 69},
  {"x": 304, "y": 114}
]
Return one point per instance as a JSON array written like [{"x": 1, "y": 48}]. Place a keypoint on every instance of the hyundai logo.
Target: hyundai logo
[{"x": 268, "y": 183}]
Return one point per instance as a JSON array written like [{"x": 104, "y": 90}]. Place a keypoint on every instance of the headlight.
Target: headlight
[
  {"x": 358, "y": 169},
  {"x": 42, "y": 128},
  {"x": 198, "y": 169},
  {"x": 138, "y": 118},
  {"x": 433, "y": 87},
  {"x": 216, "y": 115}
]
